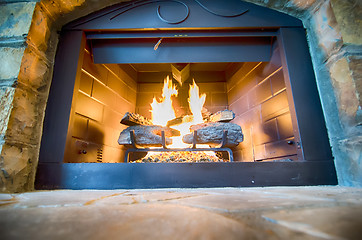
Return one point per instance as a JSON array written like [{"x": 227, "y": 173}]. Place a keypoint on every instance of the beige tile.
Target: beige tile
[
  {"x": 259, "y": 152},
  {"x": 112, "y": 118},
  {"x": 275, "y": 106},
  {"x": 277, "y": 82},
  {"x": 103, "y": 94},
  {"x": 117, "y": 85},
  {"x": 285, "y": 127},
  {"x": 240, "y": 106},
  {"x": 122, "y": 106},
  {"x": 87, "y": 106},
  {"x": 219, "y": 99},
  {"x": 265, "y": 132},
  {"x": 96, "y": 70},
  {"x": 80, "y": 126},
  {"x": 96, "y": 132},
  {"x": 280, "y": 149}
]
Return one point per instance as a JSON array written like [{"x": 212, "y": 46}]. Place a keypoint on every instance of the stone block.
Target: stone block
[
  {"x": 70, "y": 5},
  {"x": 34, "y": 71},
  {"x": 349, "y": 18},
  {"x": 17, "y": 171},
  {"x": 14, "y": 158},
  {"x": 351, "y": 165},
  {"x": 345, "y": 89},
  {"x": 6, "y": 99},
  {"x": 326, "y": 29},
  {"x": 313, "y": 221},
  {"x": 53, "y": 8},
  {"x": 40, "y": 29},
  {"x": 11, "y": 67},
  {"x": 277, "y": 4},
  {"x": 303, "y": 4},
  {"x": 26, "y": 117},
  {"x": 291, "y": 7},
  {"x": 355, "y": 65},
  {"x": 15, "y": 19}
]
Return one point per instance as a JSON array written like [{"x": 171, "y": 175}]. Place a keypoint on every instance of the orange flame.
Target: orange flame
[
  {"x": 196, "y": 103},
  {"x": 162, "y": 111}
]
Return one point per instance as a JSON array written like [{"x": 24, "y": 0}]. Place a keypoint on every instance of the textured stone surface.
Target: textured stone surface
[
  {"x": 211, "y": 133},
  {"x": 351, "y": 169},
  {"x": 15, "y": 19},
  {"x": 312, "y": 221},
  {"x": 34, "y": 71},
  {"x": 295, "y": 8},
  {"x": 40, "y": 29},
  {"x": 303, "y": 4},
  {"x": 6, "y": 99},
  {"x": 26, "y": 117},
  {"x": 355, "y": 66},
  {"x": 147, "y": 135},
  {"x": 11, "y": 67},
  {"x": 224, "y": 213},
  {"x": 349, "y": 17},
  {"x": 345, "y": 89},
  {"x": 17, "y": 167},
  {"x": 327, "y": 29}
]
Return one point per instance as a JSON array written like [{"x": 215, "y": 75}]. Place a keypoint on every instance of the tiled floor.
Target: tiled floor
[{"x": 216, "y": 213}]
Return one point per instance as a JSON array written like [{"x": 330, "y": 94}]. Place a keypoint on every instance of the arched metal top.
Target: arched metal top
[{"x": 183, "y": 14}]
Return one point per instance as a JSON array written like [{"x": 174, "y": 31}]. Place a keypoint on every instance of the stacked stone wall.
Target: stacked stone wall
[{"x": 28, "y": 41}]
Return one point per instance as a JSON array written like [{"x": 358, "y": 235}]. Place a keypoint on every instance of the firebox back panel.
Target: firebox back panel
[{"x": 254, "y": 91}]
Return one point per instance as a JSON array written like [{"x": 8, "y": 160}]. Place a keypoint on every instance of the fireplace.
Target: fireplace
[{"x": 248, "y": 59}]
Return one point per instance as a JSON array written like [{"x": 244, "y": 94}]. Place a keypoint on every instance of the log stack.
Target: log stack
[
  {"x": 149, "y": 136},
  {"x": 210, "y": 132}
]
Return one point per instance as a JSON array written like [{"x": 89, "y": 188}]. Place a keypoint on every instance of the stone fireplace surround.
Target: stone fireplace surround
[{"x": 29, "y": 38}]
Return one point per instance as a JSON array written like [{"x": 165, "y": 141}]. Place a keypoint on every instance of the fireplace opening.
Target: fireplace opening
[
  {"x": 254, "y": 91},
  {"x": 254, "y": 65}
]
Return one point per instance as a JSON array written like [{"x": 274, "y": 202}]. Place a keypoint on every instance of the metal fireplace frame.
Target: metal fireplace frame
[{"x": 315, "y": 165}]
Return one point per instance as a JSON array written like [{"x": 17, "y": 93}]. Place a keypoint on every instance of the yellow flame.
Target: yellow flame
[
  {"x": 196, "y": 102},
  {"x": 162, "y": 111}
]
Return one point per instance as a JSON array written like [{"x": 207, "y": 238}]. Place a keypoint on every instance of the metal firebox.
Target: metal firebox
[{"x": 186, "y": 31}]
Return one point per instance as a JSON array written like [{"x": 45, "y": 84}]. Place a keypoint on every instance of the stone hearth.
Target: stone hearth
[
  {"x": 228, "y": 213},
  {"x": 28, "y": 39}
]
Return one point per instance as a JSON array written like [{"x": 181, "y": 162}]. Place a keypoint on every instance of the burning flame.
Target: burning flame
[
  {"x": 162, "y": 111},
  {"x": 196, "y": 103}
]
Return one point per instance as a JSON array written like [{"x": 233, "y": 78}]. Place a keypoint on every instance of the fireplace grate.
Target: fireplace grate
[{"x": 138, "y": 149}]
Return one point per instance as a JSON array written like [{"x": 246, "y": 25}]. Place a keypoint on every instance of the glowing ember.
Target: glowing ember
[{"x": 164, "y": 157}]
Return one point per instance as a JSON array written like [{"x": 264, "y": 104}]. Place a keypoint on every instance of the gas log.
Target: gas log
[
  {"x": 147, "y": 135},
  {"x": 222, "y": 116},
  {"x": 132, "y": 119},
  {"x": 211, "y": 133}
]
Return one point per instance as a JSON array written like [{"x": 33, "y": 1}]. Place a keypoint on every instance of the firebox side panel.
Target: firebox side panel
[
  {"x": 104, "y": 95},
  {"x": 257, "y": 95}
]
